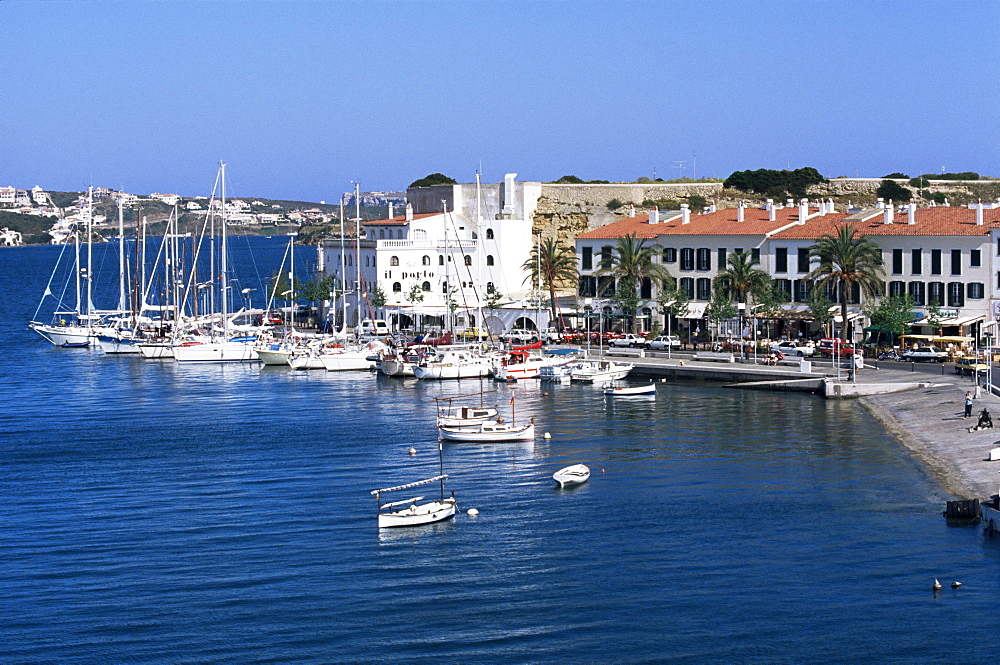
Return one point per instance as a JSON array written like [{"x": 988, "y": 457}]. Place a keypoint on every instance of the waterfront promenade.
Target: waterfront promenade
[{"x": 922, "y": 409}]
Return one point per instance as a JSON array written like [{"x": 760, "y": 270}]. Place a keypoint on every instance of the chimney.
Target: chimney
[
  {"x": 772, "y": 213},
  {"x": 712, "y": 208},
  {"x": 409, "y": 212},
  {"x": 880, "y": 204},
  {"x": 887, "y": 214},
  {"x": 685, "y": 214},
  {"x": 803, "y": 210},
  {"x": 979, "y": 213},
  {"x": 911, "y": 213},
  {"x": 739, "y": 212},
  {"x": 654, "y": 216},
  {"x": 390, "y": 209},
  {"x": 631, "y": 211}
]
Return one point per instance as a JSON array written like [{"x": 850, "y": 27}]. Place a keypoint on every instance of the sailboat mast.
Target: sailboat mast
[
  {"x": 225, "y": 267},
  {"x": 79, "y": 268},
  {"x": 343, "y": 272},
  {"x": 357, "y": 242},
  {"x": 447, "y": 266},
  {"x": 291, "y": 277},
  {"x": 121, "y": 256},
  {"x": 481, "y": 291},
  {"x": 90, "y": 249}
]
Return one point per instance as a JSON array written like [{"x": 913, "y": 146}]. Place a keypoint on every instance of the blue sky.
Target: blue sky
[{"x": 302, "y": 98}]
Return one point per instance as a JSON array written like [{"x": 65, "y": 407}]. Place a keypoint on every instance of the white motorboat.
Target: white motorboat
[
  {"x": 392, "y": 514},
  {"x": 520, "y": 364},
  {"x": 572, "y": 475},
  {"x": 630, "y": 391},
  {"x": 599, "y": 371},
  {"x": 454, "y": 364},
  {"x": 488, "y": 431}
]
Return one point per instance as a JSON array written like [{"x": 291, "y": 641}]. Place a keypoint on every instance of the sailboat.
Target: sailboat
[
  {"x": 415, "y": 513},
  {"x": 490, "y": 430},
  {"x": 219, "y": 345}
]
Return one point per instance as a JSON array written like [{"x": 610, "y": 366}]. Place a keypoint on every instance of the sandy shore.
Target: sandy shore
[{"x": 929, "y": 422}]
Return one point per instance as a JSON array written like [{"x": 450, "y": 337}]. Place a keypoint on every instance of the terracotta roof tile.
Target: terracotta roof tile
[
  {"x": 937, "y": 221},
  {"x": 399, "y": 220}
]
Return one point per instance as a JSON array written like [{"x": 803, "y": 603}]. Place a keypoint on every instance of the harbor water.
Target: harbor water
[{"x": 154, "y": 512}]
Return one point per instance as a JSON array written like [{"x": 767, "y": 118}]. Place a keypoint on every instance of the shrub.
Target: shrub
[{"x": 614, "y": 204}]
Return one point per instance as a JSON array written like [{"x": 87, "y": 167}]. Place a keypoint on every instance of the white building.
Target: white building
[
  {"x": 39, "y": 196},
  {"x": 437, "y": 268},
  {"x": 8, "y": 197},
  {"x": 169, "y": 199},
  {"x": 10, "y": 238}
]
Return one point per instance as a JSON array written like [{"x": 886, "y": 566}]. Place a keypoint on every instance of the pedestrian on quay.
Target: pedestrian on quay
[{"x": 968, "y": 405}]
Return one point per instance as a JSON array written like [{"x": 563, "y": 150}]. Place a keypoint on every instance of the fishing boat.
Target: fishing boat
[
  {"x": 415, "y": 513},
  {"x": 572, "y": 475},
  {"x": 599, "y": 371},
  {"x": 450, "y": 415},
  {"x": 629, "y": 391},
  {"x": 489, "y": 431},
  {"x": 522, "y": 363}
]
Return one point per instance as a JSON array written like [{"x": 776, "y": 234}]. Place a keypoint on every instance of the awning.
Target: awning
[{"x": 695, "y": 310}]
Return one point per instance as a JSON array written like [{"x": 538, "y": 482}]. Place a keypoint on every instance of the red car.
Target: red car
[{"x": 828, "y": 346}]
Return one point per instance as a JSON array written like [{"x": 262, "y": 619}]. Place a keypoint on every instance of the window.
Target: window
[
  {"x": 704, "y": 258},
  {"x": 785, "y": 287},
  {"x": 399, "y": 233},
  {"x": 605, "y": 255},
  {"x": 977, "y": 291},
  {"x": 687, "y": 259},
  {"x": 802, "y": 288},
  {"x": 936, "y": 262},
  {"x": 704, "y": 288},
  {"x": 646, "y": 288},
  {"x": 755, "y": 255},
  {"x": 489, "y": 234},
  {"x": 420, "y": 234},
  {"x": 426, "y": 286},
  {"x": 426, "y": 260},
  {"x": 586, "y": 258},
  {"x": 397, "y": 287},
  {"x": 687, "y": 286},
  {"x": 489, "y": 259},
  {"x": 381, "y": 234},
  {"x": 490, "y": 288},
  {"x": 803, "y": 259},
  {"x": 780, "y": 259},
  {"x": 935, "y": 293},
  {"x": 917, "y": 262},
  {"x": 916, "y": 291},
  {"x": 606, "y": 287},
  {"x": 897, "y": 262},
  {"x": 897, "y": 288},
  {"x": 722, "y": 258},
  {"x": 444, "y": 287},
  {"x": 393, "y": 260},
  {"x": 670, "y": 255},
  {"x": 588, "y": 286},
  {"x": 440, "y": 259},
  {"x": 975, "y": 258},
  {"x": 956, "y": 294},
  {"x": 468, "y": 260},
  {"x": 956, "y": 262}
]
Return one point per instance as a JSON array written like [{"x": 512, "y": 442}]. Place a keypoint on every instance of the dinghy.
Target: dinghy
[{"x": 572, "y": 475}]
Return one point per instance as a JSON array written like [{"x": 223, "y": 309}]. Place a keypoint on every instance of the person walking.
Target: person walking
[{"x": 968, "y": 405}]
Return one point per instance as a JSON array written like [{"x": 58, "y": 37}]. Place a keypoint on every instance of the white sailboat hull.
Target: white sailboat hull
[
  {"x": 68, "y": 336},
  {"x": 347, "y": 361},
  {"x": 488, "y": 432},
  {"x": 417, "y": 514},
  {"x": 216, "y": 352},
  {"x": 156, "y": 350},
  {"x": 438, "y": 371}
]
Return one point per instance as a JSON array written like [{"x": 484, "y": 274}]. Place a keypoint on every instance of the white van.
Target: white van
[{"x": 373, "y": 328}]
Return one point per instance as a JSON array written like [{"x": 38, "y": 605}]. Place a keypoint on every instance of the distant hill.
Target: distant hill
[{"x": 34, "y": 230}]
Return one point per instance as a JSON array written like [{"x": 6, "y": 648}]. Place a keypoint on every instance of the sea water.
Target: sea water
[{"x": 154, "y": 512}]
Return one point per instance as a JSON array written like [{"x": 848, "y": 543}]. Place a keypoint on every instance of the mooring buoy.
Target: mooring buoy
[
  {"x": 937, "y": 585},
  {"x": 472, "y": 512}
]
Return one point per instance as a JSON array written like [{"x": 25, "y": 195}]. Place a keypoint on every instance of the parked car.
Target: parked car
[
  {"x": 925, "y": 354},
  {"x": 827, "y": 347},
  {"x": 552, "y": 336},
  {"x": 519, "y": 336},
  {"x": 628, "y": 339},
  {"x": 664, "y": 342},
  {"x": 793, "y": 348},
  {"x": 373, "y": 328},
  {"x": 970, "y": 366},
  {"x": 474, "y": 333}
]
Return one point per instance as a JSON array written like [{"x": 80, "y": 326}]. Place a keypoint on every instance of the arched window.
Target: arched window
[
  {"x": 468, "y": 260},
  {"x": 399, "y": 234},
  {"x": 489, "y": 259},
  {"x": 489, "y": 234},
  {"x": 441, "y": 260},
  {"x": 381, "y": 234},
  {"x": 419, "y": 234},
  {"x": 394, "y": 260},
  {"x": 490, "y": 288},
  {"x": 426, "y": 286},
  {"x": 350, "y": 260},
  {"x": 426, "y": 260},
  {"x": 444, "y": 287},
  {"x": 397, "y": 287}
]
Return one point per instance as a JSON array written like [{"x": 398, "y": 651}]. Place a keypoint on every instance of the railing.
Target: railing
[{"x": 426, "y": 244}]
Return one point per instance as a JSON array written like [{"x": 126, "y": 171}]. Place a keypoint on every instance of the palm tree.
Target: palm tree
[
  {"x": 742, "y": 279},
  {"x": 630, "y": 263},
  {"x": 845, "y": 260},
  {"x": 552, "y": 264}
]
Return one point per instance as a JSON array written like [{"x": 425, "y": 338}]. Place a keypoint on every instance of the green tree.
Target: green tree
[
  {"x": 614, "y": 204},
  {"x": 891, "y": 314},
  {"x": 720, "y": 308},
  {"x": 890, "y": 190},
  {"x": 569, "y": 180},
  {"x": 820, "y": 307},
  {"x": 697, "y": 202},
  {"x": 777, "y": 183},
  {"x": 897, "y": 176},
  {"x": 433, "y": 179},
  {"x": 741, "y": 281},
  {"x": 494, "y": 298},
  {"x": 846, "y": 260},
  {"x": 632, "y": 262},
  {"x": 552, "y": 265},
  {"x": 377, "y": 297},
  {"x": 672, "y": 300},
  {"x": 316, "y": 290}
]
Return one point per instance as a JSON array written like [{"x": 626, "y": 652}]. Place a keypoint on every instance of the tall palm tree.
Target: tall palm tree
[
  {"x": 553, "y": 265},
  {"x": 847, "y": 259},
  {"x": 630, "y": 263},
  {"x": 742, "y": 279}
]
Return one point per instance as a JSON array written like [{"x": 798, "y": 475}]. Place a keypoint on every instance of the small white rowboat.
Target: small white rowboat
[{"x": 572, "y": 475}]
